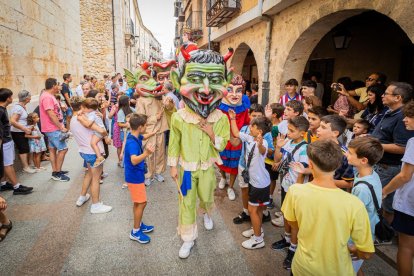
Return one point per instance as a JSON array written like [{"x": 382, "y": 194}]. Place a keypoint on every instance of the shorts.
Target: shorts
[
  {"x": 403, "y": 223},
  {"x": 69, "y": 112},
  {"x": 54, "y": 140},
  {"x": 137, "y": 192},
  {"x": 22, "y": 143},
  {"x": 88, "y": 159},
  {"x": 242, "y": 184},
  {"x": 386, "y": 173},
  {"x": 283, "y": 196},
  {"x": 274, "y": 175},
  {"x": 8, "y": 153},
  {"x": 259, "y": 196}
]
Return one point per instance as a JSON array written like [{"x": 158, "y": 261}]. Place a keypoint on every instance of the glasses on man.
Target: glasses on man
[
  {"x": 370, "y": 79},
  {"x": 389, "y": 94}
]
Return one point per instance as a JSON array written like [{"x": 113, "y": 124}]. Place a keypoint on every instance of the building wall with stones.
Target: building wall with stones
[
  {"x": 38, "y": 39},
  {"x": 297, "y": 28},
  {"x": 97, "y": 37}
]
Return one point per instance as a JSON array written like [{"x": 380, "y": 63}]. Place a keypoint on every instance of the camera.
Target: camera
[
  {"x": 246, "y": 176},
  {"x": 336, "y": 87}
]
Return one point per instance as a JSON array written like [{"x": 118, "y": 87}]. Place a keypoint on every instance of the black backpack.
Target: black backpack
[
  {"x": 284, "y": 165},
  {"x": 383, "y": 230}
]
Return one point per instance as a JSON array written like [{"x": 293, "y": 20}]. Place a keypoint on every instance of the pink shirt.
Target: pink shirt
[
  {"x": 48, "y": 102},
  {"x": 83, "y": 137}
]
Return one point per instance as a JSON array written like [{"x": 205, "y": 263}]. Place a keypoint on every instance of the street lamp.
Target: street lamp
[{"x": 341, "y": 39}]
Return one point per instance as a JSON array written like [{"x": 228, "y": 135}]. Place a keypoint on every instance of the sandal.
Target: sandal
[{"x": 8, "y": 227}]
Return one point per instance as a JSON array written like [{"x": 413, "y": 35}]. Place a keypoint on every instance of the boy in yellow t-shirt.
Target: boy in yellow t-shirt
[{"x": 326, "y": 217}]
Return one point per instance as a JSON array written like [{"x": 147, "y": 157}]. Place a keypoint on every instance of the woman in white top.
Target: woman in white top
[{"x": 19, "y": 128}]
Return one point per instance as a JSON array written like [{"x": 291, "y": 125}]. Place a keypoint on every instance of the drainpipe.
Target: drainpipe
[
  {"x": 266, "y": 64},
  {"x": 113, "y": 31}
]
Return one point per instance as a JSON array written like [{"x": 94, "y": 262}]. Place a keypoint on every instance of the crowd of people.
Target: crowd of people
[{"x": 355, "y": 157}]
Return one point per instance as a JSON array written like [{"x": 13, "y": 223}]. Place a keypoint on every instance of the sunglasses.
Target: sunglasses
[{"x": 370, "y": 79}]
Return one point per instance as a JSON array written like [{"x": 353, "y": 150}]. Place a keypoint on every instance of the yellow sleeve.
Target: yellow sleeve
[
  {"x": 222, "y": 133},
  {"x": 288, "y": 207},
  {"x": 361, "y": 230},
  {"x": 174, "y": 146}
]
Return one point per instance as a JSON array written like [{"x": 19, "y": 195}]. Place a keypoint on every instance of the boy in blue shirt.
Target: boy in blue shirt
[{"x": 135, "y": 169}]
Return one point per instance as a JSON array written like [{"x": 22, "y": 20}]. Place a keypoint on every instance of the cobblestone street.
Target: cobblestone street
[{"x": 52, "y": 236}]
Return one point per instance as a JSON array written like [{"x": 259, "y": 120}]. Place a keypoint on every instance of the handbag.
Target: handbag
[
  {"x": 383, "y": 230},
  {"x": 283, "y": 167},
  {"x": 245, "y": 172}
]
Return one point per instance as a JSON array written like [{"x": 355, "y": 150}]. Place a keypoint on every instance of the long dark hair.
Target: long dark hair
[
  {"x": 123, "y": 104},
  {"x": 378, "y": 90}
]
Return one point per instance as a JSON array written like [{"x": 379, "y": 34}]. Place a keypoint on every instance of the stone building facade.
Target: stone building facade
[
  {"x": 290, "y": 37},
  {"x": 38, "y": 39}
]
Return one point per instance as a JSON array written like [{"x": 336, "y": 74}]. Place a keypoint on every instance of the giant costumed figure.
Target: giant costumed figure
[
  {"x": 198, "y": 133},
  {"x": 150, "y": 103},
  {"x": 240, "y": 103}
]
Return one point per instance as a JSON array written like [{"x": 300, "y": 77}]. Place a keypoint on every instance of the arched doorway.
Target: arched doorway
[
  {"x": 244, "y": 63},
  {"x": 375, "y": 40}
]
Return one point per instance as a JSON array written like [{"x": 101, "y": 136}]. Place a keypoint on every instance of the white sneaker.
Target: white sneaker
[
  {"x": 208, "y": 222},
  {"x": 249, "y": 233},
  {"x": 185, "y": 249},
  {"x": 252, "y": 243},
  {"x": 231, "y": 194},
  {"x": 100, "y": 208},
  {"x": 278, "y": 214},
  {"x": 159, "y": 178},
  {"x": 147, "y": 182},
  {"x": 279, "y": 221},
  {"x": 82, "y": 200},
  {"x": 29, "y": 170},
  {"x": 222, "y": 183},
  {"x": 105, "y": 175}
]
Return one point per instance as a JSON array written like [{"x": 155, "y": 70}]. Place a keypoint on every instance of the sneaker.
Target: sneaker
[
  {"x": 64, "y": 172},
  {"x": 278, "y": 214},
  {"x": 22, "y": 190},
  {"x": 287, "y": 263},
  {"x": 57, "y": 176},
  {"x": 279, "y": 222},
  {"x": 139, "y": 236},
  {"x": 249, "y": 233},
  {"x": 147, "y": 182},
  {"x": 40, "y": 169},
  {"x": 82, "y": 199},
  {"x": 266, "y": 218},
  {"x": 100, "y": 208},
  {"x": 124, "y": 186},
  {"x": 231, "y": 194},
  {"x": 222, "y": 183},
  {"x": 7, "y": 187},
  {"x": 99, "y": 161},
  {"x": 146, "y": 228},
  {"x": 185, "y": 249},
  {"x": 241, "y": 218},
  {"x": 100, "y": 181},
  {"x": 208, "y": 222},
  {"x": 252, "y": 243},
  {"x": 379, "y": 242},
  {"x": 271, "y": 204},
  {"x": 159, "y": 178},
  {"x": 279, "y": 245},
  {"x": 105, "y": 175},
  {"x": 29, "y": 170}
]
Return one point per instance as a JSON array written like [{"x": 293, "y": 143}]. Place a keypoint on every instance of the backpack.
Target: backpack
[
  {"x": 284, "y": 165},
  {"x": 383, "y": 230}
]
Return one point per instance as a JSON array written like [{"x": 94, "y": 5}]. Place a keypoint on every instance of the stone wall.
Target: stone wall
[
  {"x": 38, "y": 39},
  {"x": 97, "y": 37}
]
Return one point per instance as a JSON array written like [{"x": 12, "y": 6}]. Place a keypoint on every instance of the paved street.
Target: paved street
[{"x": 52, "y": 236}]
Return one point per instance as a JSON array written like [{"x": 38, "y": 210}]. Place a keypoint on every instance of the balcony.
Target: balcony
[
  {"x": 221, "y": 11},
  {"x": 129, "y": 32}
]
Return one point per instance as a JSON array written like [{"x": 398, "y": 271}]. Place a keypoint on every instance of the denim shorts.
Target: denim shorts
[
  {"x": 69, "y": 112},
  {"x": 88, "y": 159},
  {"x": 54, "y": 140}
]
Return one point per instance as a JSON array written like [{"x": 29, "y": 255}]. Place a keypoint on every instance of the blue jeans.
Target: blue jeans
[
  {"x": 88, "y": 159},
  {"x": 386, "y": 173}
]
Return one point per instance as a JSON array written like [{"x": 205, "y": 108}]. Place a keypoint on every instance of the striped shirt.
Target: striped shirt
[{"x": 286, "y": 98}]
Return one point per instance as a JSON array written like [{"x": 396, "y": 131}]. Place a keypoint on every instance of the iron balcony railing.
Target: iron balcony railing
[{"x": 221, "y": 11}]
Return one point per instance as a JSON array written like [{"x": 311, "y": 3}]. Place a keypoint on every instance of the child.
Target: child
[
  {"x": 259, "y": 179},
  {"x": 135, "y": 169},
  {"x": 363, "y": 153},
  {"x": 360, "y": 128},
  {"x": 325, "y": 217},
  {"x": 291, "y": 86},
  {"x": 309, "y": 102},
  {"x": 255, "y": 111},
  {"x": 36, "y": 141},
  {"x": 314, "y": 117},
  {"x": 293, "y": 109},
  {"x": 90, "y": 107},
  {"x": 289, "y": 150},
  {"x": 123, "y": 110}
]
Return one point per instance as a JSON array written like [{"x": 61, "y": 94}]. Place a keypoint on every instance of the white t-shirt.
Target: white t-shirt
[
  {"x": 404, "y": 196},
  {"x": 300, "y": 156},
  {"x": 283, "y": 127},
  {"x": 83, "y": 137},
  {"x": 18, "y": 109},
  {"x": 259, "y": 176},
  {"x": 79, "y": 91}
]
